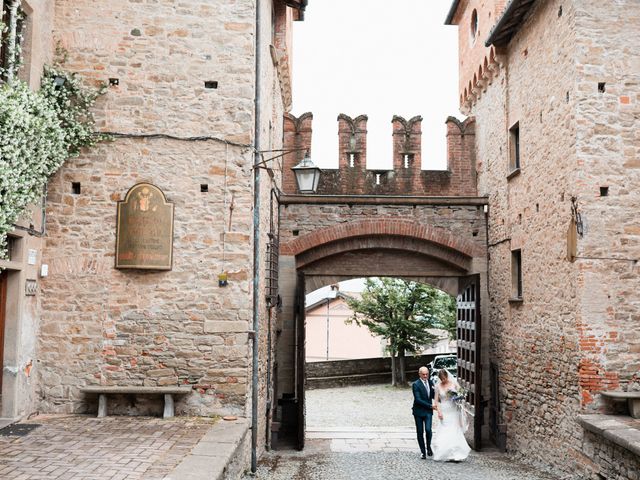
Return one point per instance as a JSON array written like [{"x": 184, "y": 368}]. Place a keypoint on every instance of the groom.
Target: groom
[{"x": 423, "y": 394}]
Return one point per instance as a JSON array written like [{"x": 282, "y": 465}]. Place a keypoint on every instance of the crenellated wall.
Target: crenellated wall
[{"x": 406, "y": 178}]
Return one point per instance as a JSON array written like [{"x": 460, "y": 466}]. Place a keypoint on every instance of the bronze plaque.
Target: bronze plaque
[{"x": 144, "y": 236}]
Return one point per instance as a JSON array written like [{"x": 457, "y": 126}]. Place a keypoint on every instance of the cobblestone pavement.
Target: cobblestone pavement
[
  {"x": 367, "y": 433},
  {"x": 74, "y": 447},
  {"x": 318, "y": 462}
]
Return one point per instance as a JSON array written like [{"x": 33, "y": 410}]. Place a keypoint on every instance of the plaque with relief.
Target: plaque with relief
[{"x": 144, "y": 235}]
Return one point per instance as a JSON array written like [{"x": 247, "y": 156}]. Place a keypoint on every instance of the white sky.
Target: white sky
[{"x": 380, "y": 58}]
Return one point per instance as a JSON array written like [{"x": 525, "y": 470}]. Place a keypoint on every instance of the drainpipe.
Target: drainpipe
[{"x": 256, "y": 247}]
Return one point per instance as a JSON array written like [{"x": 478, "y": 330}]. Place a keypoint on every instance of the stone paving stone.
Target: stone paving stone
[
  {"x": 79, "y": 447},
  {"x": 319, "y": 462},
  {"x": 367, "y": 433}
]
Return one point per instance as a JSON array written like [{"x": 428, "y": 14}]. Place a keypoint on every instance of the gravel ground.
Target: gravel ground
[
  {"x": 362, "y": 406},
  {"x": 324, "y": 465},
  {"x": 370, "y": 409}
]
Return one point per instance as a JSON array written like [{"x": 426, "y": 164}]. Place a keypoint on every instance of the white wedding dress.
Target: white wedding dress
[{"x": 448, "y": 439}]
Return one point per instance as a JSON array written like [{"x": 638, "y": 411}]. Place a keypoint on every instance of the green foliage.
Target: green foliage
[
  {"x": 38, "y": 132},
  {"x": 401, "y": 312},
  {"x": 445, "y": 305}
]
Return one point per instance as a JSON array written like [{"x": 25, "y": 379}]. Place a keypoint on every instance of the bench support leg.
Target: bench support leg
[
  {"x": 102, "y": 405},
  {"x": 634, "y": 407},
  {"x": 168, "y": 406}
]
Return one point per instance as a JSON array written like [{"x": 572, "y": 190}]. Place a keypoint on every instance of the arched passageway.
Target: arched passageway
[{"x": 441, "y": 243}]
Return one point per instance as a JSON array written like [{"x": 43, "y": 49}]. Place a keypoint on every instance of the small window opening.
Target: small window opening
[
  {"x": 408, "y": 159},
  {"x": 378, "y": 178},
  {"x": 210, "y": 84},
  {"x": 537, "y": 207},
  {"x": 519, "y": 218},
  {"x": 352, "y": 160},
  {"x": 12, "y": 248},
  {"x": 601, "y": 87},
  {"x": 560, "y": 11},
  {"x": 76, "y": 188},
  {"x": 474, "y": 233},
  {"x": 295, "y": 233},
  {"x": 114, "y": 82},
  {"x": 514, "y": 146},
  {"x": 474, "y": 25},
  {"x": 516, "y": 273},
  {"x": 604, "y": 191},
  {"x": 204, "y": 187}
]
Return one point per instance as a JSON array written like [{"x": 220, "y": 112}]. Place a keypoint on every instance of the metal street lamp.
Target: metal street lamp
[{"x": 307, "y": 175}]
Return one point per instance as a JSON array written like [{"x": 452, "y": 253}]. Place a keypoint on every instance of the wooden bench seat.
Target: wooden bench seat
[
  {"x": 632, "y": 399},
  {"x": 168, "y": 392}
]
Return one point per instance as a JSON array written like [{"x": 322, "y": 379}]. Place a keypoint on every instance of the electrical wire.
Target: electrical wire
[{"x": 201, "y": 138}]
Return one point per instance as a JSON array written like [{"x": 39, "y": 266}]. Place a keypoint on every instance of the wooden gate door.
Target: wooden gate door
[
  {"x": 468, "y": 330},
  {"x": 300, "y": 358},
  {"x": 3, "y": 309}
]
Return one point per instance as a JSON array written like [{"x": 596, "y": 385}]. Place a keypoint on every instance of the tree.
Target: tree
[
  {"x": 447, "y": 314},
  {"x": 401, "y": 311}
]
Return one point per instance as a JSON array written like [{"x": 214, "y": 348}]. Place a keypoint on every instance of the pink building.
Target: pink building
[{"x": 329, "y": 337}]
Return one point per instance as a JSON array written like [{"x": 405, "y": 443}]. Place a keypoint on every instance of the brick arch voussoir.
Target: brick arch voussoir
[{"x": 323, "y": 236}]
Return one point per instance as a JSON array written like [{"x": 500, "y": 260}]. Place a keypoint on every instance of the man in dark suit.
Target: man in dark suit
[{"x": 423, "y": 393}]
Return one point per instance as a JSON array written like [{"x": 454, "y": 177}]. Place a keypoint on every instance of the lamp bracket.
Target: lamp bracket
[{"x": 262, "y": 163}]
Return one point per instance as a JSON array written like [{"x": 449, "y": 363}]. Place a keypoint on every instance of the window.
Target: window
[
  {"x": 474, "y": 26},
  {"x": 8, "y": 17},
  {"x": 514, "y": 147},
  {"x": 516, "y": 274},
  {"x": 13, "y": 248}
]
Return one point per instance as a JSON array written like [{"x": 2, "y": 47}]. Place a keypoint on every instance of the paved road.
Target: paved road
[
  {"x": 318, "y": 462},
  {"x": 367, "y": 433}
]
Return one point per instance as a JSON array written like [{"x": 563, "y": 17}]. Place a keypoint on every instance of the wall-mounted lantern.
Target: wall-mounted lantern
[{"x": 307, "y": 175}]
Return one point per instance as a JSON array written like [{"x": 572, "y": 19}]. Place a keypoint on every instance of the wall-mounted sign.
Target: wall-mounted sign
[{"x": 144, "y": 236}]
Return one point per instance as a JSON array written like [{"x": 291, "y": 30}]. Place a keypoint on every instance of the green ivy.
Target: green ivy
[{"x": 38, "y": 132}]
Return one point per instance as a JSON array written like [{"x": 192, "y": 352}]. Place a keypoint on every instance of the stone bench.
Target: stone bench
[
  {"x": 632, "y": 399},
  {"x": 168, "y": 392}
]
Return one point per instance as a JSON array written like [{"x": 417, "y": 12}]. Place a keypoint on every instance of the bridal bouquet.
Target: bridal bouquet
[{"x": 457, "y": 396}]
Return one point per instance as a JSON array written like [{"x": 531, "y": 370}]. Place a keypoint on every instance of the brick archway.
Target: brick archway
[{"x": 375, "y": 228}]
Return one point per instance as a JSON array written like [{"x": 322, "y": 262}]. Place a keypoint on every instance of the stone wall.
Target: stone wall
[
  {"x": 571, "y": 334},
  {"x": 604, "y": 459},
  {"x": 608, "y": 197},
  {"x": 19, "y": 363},
  {"x": 534, "y": 340},
  {"x": 361, "y": 371},
  {"x": 100, "y": 325}
]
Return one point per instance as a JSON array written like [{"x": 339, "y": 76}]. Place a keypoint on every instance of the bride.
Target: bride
[{"x": 449, "y": 443}]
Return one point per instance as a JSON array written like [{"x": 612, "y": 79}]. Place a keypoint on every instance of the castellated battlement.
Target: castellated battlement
[{"x": 405, "y": 178}]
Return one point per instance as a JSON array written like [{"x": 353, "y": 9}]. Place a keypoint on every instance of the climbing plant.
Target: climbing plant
[{"x": 38, "y": 132}]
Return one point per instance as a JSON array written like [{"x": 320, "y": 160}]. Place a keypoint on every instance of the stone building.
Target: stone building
[
  {"x": 553, "y": 88},
  {"x": 196, "y": 96}
]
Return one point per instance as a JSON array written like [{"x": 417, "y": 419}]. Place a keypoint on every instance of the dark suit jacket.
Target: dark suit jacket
[{"x": 422, "y": 403}]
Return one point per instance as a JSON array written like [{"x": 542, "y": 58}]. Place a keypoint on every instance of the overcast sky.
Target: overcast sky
[{"x": 380, "y": 58}]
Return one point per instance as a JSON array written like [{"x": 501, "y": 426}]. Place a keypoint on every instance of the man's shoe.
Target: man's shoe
[
  {"x": 423, "y": 456},
  {"x": 430, "y": 452}
]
